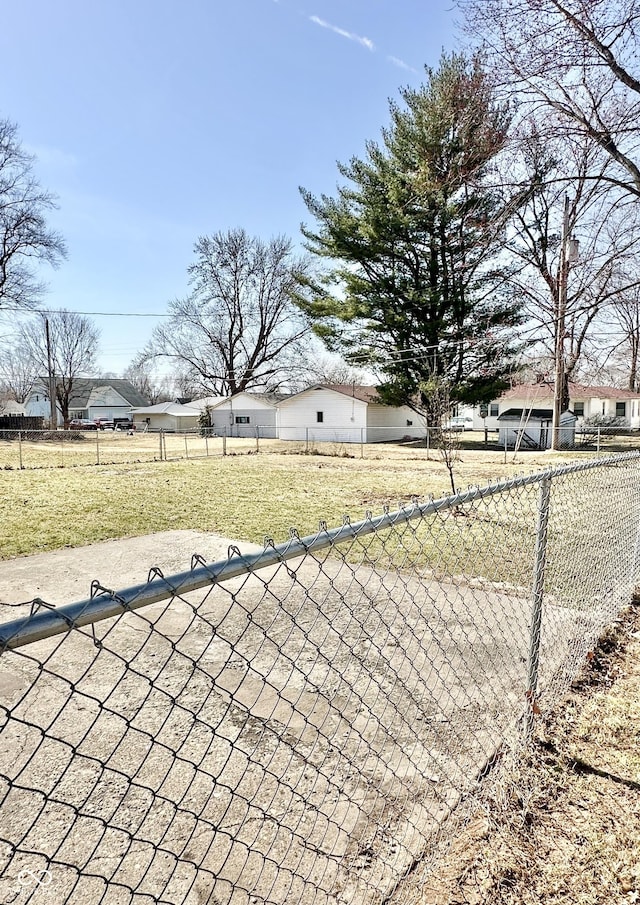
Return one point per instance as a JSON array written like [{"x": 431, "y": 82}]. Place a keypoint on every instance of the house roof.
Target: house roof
[
  {"x": 201, "y": 404},
  {"x": 83, "y": 387},
  {"x": 537, "y": 414},
  {"x": 368, "y": 394},
  {"x": 271, "y": 399},
  {"x": 363, "y": 393},
  {"x": 11, "y": 407},
  {"x": 167, "y": 408},
  {"x": 539, "y": 391},
  {"x": 601, "y": 392}
]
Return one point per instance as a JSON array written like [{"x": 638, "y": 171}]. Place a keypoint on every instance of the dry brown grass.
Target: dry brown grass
[
  {"x": 561, "y": 824},
  {"x": 241, "y": 496}
]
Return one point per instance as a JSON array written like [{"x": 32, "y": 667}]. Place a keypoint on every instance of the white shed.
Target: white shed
[
  {"x": 532, "y": 429},
  {"x": 345, "y": 413}
]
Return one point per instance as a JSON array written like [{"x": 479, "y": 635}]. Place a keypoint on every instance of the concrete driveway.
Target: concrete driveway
[{"x": 293, "y": 735}]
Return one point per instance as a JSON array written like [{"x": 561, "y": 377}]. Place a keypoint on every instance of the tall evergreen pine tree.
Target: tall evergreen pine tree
[{"x": 417, "y": 290}]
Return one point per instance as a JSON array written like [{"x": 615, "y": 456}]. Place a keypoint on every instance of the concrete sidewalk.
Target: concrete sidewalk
[{"x": 64, "y": 576}]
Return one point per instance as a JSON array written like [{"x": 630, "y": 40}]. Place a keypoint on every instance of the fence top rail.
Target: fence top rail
[{"x": 45, "y": 621}]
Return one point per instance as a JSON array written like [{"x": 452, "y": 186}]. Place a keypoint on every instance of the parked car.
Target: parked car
[
  {"x": 82, "y": 424},
  {"x": 104, "y": 424},
  {"x": 459, "y": 423},
  {"x": 123, "y": 424}
]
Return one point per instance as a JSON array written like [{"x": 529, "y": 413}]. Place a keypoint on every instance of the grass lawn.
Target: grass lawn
[{"x": 243, "y": 497}]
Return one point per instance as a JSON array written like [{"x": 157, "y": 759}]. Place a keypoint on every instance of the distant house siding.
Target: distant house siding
[
  {"x": 231, "y": 416},
  {"x": 387, "y": 422},
  {"x": 588, "y": 407},
  {"x": 165, "y": 421},
  {"x": 344, "y": 418},
  {"x": 105, "y": 402},
  {"x": 37, "y": 405}
]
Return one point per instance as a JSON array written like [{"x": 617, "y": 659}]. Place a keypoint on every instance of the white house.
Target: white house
[
  {"x": 243, "y": 414},
  {"x": 91, "y": 398},
  {"x": 585, "y": 402},
  {"x": 345, "y": 413},
  {"x": 168, "y": 416}
]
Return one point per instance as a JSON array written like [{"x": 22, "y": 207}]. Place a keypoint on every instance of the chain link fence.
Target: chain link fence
[
  {"x": 67, "y": 449},
  {"x": 27, "y": 449},
  {"x": 296, "y": 725}
]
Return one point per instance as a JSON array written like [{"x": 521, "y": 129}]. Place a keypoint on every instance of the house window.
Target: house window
[
  {"x": 621, "y": 409},
  {"x": 319, "y": 417},
  {"x": 243, "y": 419},
  {"x": 578, "y": 409},
  {"x": 493, "y": 410}
]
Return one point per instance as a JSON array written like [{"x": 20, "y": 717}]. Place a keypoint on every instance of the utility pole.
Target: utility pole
[
  {"x": 53, "y": 416},
  {"x": 568, "y": 255}
]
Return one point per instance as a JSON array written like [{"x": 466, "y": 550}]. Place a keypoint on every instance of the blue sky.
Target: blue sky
[{"x": 157, "y": 122}]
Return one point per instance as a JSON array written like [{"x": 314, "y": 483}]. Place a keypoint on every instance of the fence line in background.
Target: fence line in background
[
  {"x": 39, "y": 449},
  {"x": 297, "y": 724}
]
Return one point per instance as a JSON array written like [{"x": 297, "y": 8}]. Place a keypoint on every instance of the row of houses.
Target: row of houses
[{"x": 339, "y": 412}]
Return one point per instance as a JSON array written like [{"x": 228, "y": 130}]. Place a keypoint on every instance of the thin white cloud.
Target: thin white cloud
[
  {"x": 402, "y": 65},
  {"x": 351, "y": 36}
]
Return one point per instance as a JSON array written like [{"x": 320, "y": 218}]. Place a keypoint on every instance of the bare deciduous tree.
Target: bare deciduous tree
[
  {"x": 578, "y": 58},
  {"x": 605, "y": 222},
  {"x": 147, "y": 382},
  {"x": 73, "y": 350},
  {"x": 239, "y": 328},
  {"x": 17, "y": 372},
  {"x": 25, "y": 239},
  {"x": 323, "y": 369},
  {"x": 624, "y": 316}
]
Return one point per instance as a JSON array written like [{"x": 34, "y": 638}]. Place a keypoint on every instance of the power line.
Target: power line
[{"x": 87, "y": 313}]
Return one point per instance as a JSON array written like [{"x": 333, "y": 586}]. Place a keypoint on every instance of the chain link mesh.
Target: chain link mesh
[{"x": 297, "y": 726}]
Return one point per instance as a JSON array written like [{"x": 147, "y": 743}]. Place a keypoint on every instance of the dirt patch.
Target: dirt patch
[{"x": 561, "y": 823}]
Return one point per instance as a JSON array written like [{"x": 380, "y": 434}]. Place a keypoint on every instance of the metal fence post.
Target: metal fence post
[
  {"x": 307, "y": 439},
  {"x": 224, "y": 442},
  {"x": 20, "y": 447},
  {"x": 257, "y": 438},
  {"x": 97, "y": 447},
  {"x": 544, "y": 499},
  {"x": 186, "y": 448},
  {"x": 362, "y": 442},
  {"x": 635, "y": 565},
  {"x": 598, "y": 441},
  {"x": 160, "y": 445}
]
